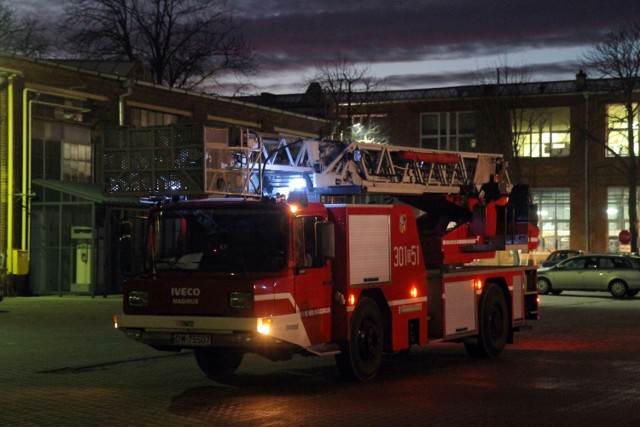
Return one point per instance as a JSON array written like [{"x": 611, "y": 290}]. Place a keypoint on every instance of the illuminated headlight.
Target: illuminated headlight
[
  {"x": 138, "y": 298},
  {"x": 240, "y": 300},
  {"x": 264, "y": 325}
]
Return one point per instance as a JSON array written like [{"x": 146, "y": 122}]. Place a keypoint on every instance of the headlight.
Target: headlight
[
  {"x": 240, "y": 300},
  {"x": 138, "y": 299}
]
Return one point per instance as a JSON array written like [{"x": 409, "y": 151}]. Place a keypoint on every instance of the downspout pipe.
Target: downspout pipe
[
  {"x": 128, "y": 85},
  {"x": 26, "y": 168},
  {"x": 10, "y": 75},
  {"x": 587, "y": 237},
  {"x": 27, "y": 192}
]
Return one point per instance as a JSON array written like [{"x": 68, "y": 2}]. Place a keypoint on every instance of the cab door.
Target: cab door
[{"x": 313, "y": 281}]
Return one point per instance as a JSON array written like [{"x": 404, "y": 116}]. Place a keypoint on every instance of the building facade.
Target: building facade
[{"x": 58, "y": 225}]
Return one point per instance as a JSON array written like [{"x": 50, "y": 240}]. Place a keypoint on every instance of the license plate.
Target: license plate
[{"x": 195, "y": 340}]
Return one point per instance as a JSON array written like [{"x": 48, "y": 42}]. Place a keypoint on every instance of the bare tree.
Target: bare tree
[
  {"x": 616, "y": 57},
  {"x": 183, "y": 43},
  {"x": 501, "y": 107},
  {"x": 22, "y": 35},
  {"x": 350, "y": 86}
]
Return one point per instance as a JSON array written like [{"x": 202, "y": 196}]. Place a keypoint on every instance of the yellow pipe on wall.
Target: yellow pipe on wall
[
  {"x": 11, "y": 74},
  {"x": 10, "y": 170},
  {"x": 26, "y": 171}
]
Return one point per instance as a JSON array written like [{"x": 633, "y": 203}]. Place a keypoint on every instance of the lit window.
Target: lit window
[
  {"x": 542, "y": 132},
  {"x": 617, "y": 214},
  {"x": 554, "y": 217},
  {"x": 618, "y": 130},
  {"x": 146, "y": 118}
]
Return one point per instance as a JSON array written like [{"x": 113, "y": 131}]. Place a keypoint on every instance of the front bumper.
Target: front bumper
[{"x": 160, "y": 331}]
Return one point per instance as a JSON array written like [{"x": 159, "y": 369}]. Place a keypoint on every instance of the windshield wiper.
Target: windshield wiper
[{"x": 185, "y": 262}]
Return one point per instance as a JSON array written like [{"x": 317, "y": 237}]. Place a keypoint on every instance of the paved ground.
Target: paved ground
[{"x": 62, "y": 363}]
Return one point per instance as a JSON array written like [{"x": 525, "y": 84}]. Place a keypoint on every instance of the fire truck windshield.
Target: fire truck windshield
[{"x": 221, "y": 240}]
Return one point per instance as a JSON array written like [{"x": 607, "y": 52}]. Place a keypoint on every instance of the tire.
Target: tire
[
  {"x": 360, "y": 357},
  {"x": 544, "y": 286},
  {"x": 493, "y": 321},
  {"x": 632, "y": 293},
  {"x": 618, "y": 289},
  {"x": 218, "y": 363}
]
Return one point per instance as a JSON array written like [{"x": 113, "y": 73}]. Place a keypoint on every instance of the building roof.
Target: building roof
[
  {"x": 126, "y": 69},
  {"x": 311, "y": 99},
  {"x": 85, "y": 190}
]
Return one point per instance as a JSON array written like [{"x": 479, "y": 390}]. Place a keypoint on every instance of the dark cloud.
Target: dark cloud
[
  {"x": 295, "y": 36},
  {"x": 301, "y": 34}
]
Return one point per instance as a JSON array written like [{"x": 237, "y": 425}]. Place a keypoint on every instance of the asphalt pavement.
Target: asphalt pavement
[{"x": 64, "y": 364}]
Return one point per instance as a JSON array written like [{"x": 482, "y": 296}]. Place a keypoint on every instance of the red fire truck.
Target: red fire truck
[{"x": 335, "y": 276}]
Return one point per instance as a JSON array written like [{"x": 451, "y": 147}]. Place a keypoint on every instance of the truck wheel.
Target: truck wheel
[
  {"x": 218, "y": 363},
  {"x": 493, "y": 319},
  {"x": 360, "y": 358}
]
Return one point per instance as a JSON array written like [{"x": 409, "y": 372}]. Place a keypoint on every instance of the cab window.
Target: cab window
[{"x": 304, "y": 230}]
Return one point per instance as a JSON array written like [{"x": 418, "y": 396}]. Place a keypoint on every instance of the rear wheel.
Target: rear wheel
[
  {"x": 544, "y": 286},
  {"x": 618, "y": 289},
  {"x": 493, "y": 319},
  {"x": 218, "y": 363},
  {"x": 360, "y": 357}
]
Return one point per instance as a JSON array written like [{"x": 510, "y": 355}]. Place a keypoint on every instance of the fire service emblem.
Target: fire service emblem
[{"x": 403, "y": 224}]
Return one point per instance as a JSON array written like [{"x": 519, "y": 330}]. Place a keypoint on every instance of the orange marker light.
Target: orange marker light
[
  {"x": 478, "y": 285},
  {"x": 414, "y": 292},
  {"x": 115, "y": 321},
  {"x": 294, "y": 208},
  {"x": 352, "y": 299}
]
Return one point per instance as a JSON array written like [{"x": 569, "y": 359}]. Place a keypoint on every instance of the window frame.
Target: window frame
[
  {"x": 535, "y": 132},
  {"x": 448, "y": 133},
  {"x": 619, "y": 128}
]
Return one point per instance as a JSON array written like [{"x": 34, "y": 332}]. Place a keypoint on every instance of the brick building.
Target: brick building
[{"x": 57, "y": 225}]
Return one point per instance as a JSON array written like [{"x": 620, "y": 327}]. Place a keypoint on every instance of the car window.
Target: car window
[
  {"x": 621, "y": 263},
  {"x": 574, "y": 263},
  {"x": 591, "y": 262},
  {"x": 609, "y": 263}
]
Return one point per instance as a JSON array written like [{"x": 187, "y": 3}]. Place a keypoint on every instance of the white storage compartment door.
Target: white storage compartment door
[
  {"x": 369, "y": 249},
  {"x": 460, "y": 307}
]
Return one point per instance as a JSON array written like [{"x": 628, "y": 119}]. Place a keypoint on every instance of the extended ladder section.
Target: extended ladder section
[
  {"x": 270, "y": 166},
  {"x": 400, "y": 170}
]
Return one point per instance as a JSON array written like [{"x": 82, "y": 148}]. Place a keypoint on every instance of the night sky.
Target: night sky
[{"x": 418, "y": 44}]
